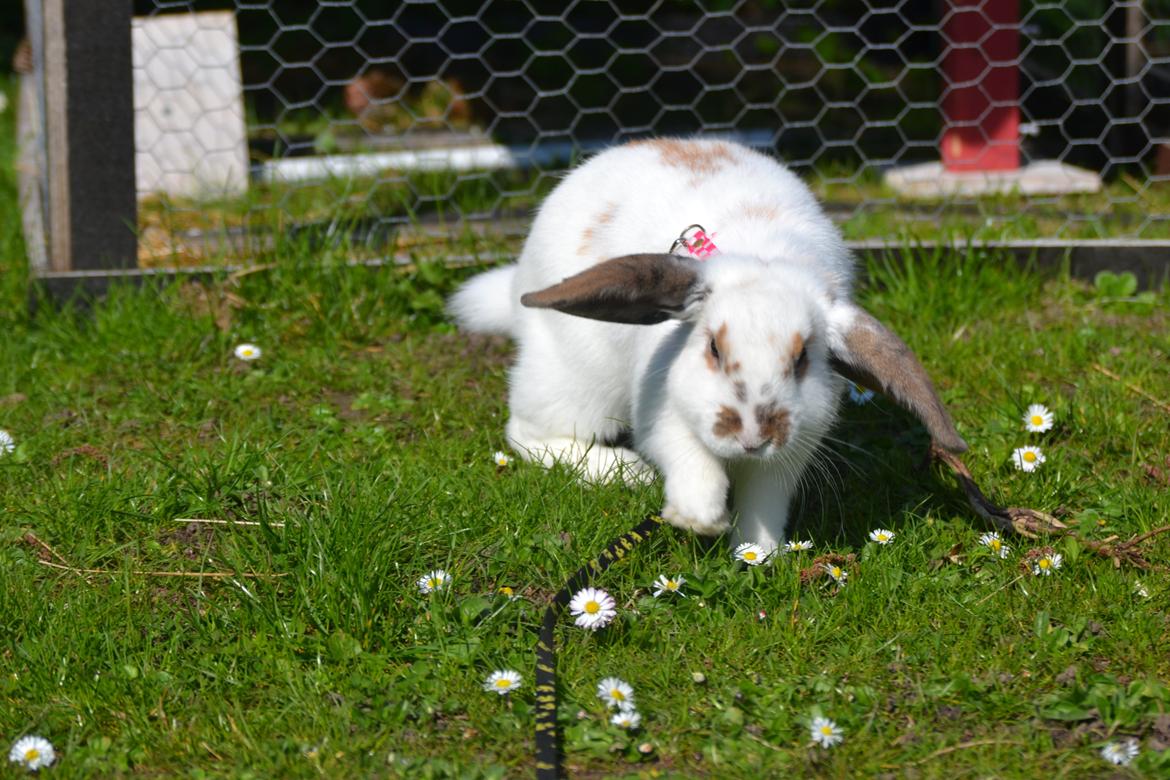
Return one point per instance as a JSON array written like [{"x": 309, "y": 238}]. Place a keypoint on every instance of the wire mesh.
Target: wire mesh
[{"x": 387, "y": 121}]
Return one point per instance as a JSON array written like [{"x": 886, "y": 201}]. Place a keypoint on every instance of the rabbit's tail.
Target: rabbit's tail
[{"x": 484, "y": 304}]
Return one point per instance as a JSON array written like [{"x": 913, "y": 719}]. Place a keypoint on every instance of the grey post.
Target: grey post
[{"x": 89, "y": 112}]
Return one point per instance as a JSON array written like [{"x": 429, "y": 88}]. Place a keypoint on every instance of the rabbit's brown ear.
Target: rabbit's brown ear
[
  {"x": 867, "y": 352},
  {"x": 634, "y": 289}
]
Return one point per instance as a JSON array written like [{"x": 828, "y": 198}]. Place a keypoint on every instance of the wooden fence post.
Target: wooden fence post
[{"x": 89, "y": 113}]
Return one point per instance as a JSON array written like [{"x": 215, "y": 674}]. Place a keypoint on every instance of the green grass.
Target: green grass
[
  {"x": 395, "y": 204},
  {"x": 361, "y": 443},
  {"x": 863, "y": 205}
]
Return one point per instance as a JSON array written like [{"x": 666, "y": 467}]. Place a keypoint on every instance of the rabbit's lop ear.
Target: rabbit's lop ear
[
  {"x": 869, "y": 354},
  {"x": 634, "y": 289}
]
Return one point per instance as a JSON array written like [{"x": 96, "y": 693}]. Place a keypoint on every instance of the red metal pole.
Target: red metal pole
[{"x": 981, "y": 86}]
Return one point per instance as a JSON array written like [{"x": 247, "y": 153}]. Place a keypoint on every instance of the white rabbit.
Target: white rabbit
[{"x": 728, "y": 368}]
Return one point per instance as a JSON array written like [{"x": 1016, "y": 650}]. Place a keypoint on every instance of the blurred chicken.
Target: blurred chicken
[
  {"x": 370, "y": 89},
  {"x": 22, "y": 58},
  {"x": 381, "y": 102}
]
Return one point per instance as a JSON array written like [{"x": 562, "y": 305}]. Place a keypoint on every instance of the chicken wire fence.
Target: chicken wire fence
[{"x": 391, "y": 123}]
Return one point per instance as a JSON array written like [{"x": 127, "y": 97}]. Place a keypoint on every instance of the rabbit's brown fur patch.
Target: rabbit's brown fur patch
[
  {"x": 729, "y": 423},
  {"x": 773, "y": 424},
  {"x": 700, "y": 159}
]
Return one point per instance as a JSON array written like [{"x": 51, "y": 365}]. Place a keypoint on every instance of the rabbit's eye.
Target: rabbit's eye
[
  {"x": 802, "y": 362},
  {"x": 714, "y": 350}
]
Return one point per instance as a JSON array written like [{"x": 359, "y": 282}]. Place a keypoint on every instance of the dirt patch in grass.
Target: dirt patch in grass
[
  {"x": 193, "y": 541},
  {"x": 471, "y": 352},
  {"x": 1159, "y": 738},
  {"x": 13, "y": 399},
  {"x": 1079, "y": 734},
  {"x": 345, "y": 409},
  {"x": 84, "y": 451},
  {"x": 209, "y": 301}
]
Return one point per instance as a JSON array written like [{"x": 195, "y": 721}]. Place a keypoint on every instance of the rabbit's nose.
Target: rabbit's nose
[{"x": 753, "y": 446}]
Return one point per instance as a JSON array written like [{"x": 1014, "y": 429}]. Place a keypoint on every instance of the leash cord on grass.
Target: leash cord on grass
[{"x": 548, "y": 748}]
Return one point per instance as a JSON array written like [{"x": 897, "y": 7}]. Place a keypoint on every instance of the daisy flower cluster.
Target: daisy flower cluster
[
  {"x": 248, "y": 352},
  {"x": 1041, "y": 561},
  {"x": 32, "y": 753},
  {"x": 993, "y": 542},
  {"x": 592, "y": 608},
  {"x": 837, "y": 572},
  {"x": 669, "y": 585},
  {"x": 433, "y": 581},
  {"x": 751, "y": 553},
  {"x": 502, "y": 681},
  {"x": 1044, "y": 561},
  {"x": 1028, "y": 458},
  {"x": 1121, "y": 753},
  {"x": 1037, "y": 419},
  {"x": 754, "y": 555},
  {"x": 825, "y": 732},
  {"x": 619, "y": 695}
]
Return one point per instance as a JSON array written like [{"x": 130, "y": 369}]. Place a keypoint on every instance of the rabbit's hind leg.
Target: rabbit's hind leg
[{"x": 592, "y": 461}]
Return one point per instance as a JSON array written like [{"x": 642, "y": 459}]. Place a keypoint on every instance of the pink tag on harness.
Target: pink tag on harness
[
  {"x": 698, "y": 242},
  {"x": 702, "y": 245}
]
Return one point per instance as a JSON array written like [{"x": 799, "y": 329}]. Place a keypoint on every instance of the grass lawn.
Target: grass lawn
[
  {"x": 415, "y": 213},
  {"x": 355, "y": 456}
]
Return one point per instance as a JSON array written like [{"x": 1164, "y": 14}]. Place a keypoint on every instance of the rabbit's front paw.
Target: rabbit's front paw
[
  {"x": 696, "y": 497},
  {"x": 704, "y": 512}
]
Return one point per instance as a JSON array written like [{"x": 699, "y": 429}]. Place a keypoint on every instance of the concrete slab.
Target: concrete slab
[
  {"x": 189, "y": 131},
  {"x": 1043, "y": 177}
]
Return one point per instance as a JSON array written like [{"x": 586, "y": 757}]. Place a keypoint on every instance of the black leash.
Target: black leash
[{"x": 548, "y": 743}]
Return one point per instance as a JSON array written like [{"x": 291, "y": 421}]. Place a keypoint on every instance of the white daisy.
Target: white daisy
[
  {"x": 616, "y": 693},
  {"x": 1027, "y": 458},
  {"x": 1046, "y": 564},
  {"x": 666, "y": 584},
  {"x": 992, "y": 541},
  {"x": 32, "y": 752},
  {"x": 502, "y": 681},
  {"x": 626, "y": 719},
  {"x": 837, "y": 573},
  {"x": 881, "y": 536},
  {"x": 860, "y": 395},
  {"x": 433, "y": 581},
  {"x": 750, "y": 553},
  {"x": 248, "y": 352},
  {"x": 1140, "y": 589},
  {"x": 592, "y": 608},
  {"x": 1120, "y": 753},
  {"x": 825, "y": 732},
  {"x": 7, "y": 443},
  {"x": 501, "y": 458},
  {"x": 1038, "y": 419},
  {"x": 793, "y": 545}
]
